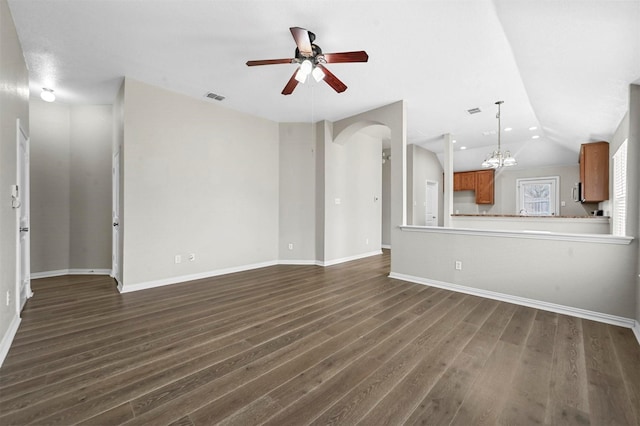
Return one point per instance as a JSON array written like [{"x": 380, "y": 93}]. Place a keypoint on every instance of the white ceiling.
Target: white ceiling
[{"x": 563, "y": 66}]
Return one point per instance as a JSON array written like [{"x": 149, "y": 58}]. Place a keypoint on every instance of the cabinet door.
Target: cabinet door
[
  {"x": 485, "y": 187},
  {"x": 464, "y": 181},
  {"x": 594, "y": 171}
]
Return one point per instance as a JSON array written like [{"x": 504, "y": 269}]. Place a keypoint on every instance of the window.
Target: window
[
  {"x": 620, "y": 190},
  {"x": 538, "y": 196}
]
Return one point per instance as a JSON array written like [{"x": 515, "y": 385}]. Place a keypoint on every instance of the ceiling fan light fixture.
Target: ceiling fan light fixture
[
  {"x": 305, "y": 67},
  {"x": 300, "y": 76},
  {"x": 47, "y": 95},
  {"x": 317, "y": 74}
]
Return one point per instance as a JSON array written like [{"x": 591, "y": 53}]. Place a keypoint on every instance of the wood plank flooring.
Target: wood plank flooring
[{"x": 297, "y": 345}]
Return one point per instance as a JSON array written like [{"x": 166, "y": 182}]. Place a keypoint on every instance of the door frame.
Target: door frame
[
  {"x": 116, "y": 267},
  {"x": 433, "y": 183},
  {"x": 21, "y": 202}
]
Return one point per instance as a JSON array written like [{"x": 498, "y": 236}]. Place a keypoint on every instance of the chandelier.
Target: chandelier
[{"x": 497, "y": 159}]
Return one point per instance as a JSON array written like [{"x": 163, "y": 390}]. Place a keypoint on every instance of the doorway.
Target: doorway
[
  {"x": 431, "y": 204},
  {"x": 21, "y": 204}
]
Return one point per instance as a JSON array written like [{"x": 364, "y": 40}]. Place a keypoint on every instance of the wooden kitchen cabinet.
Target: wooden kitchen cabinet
[
  {"x": 480, "y": 181},
  {"x": 464, "y": 181},
  {"x": 594, "y": 172},
  {"x": 485, "y": 186}
]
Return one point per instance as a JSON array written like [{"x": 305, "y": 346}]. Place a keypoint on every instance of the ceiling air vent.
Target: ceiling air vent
[
  {"x": 212, "y": 95},
  {"x": 474, "y": 110}
]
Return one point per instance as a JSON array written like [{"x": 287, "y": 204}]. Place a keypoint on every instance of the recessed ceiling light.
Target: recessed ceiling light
[
  {"x": 463, "y": 147},
  {"x": 535, "y": 137},
  {"x": 532, "y": 128},
  {"x": 454, "y": 141},
  {"x": 47, "y": 95},
  {"x": 508, "y": 129}
]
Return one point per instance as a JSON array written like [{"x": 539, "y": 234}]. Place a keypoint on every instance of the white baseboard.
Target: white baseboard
[
  {"x": 636, "y": 331},
  {"x": 350, "y": 258},
  {"x": 386, "y": 246},
  {"x": 532, "y": 303},
  {"x": 298, "y": 262},
  {"x": 61, "y": 272},
  {"x": 7, "y": 339},
  {"x": 183, "y": 278}
]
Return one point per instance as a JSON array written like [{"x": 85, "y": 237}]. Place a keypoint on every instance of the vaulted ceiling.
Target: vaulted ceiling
[{"x": 563, "y": 67}]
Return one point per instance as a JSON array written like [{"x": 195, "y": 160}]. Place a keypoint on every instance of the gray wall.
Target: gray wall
[
  {"x": 297, "y": 170},
  {"x": 71, "y": 187},
  {"x": 354, "y": 176},
  {"x": 50, "y": 186},
  {"x": 633, "y": 187},
  {"x": 90, "y": 216},
  {"x": 422, "y": 165},
  {"x": 386, "y": 200},
  {"x": 198, "y": 178},
  {"x": 14, "y": 97}
]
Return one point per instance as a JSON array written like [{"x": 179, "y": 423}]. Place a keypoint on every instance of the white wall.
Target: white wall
[
  {"x": 297, "y": 170},
  {"x": 198, "y": 178},
  {"x": 70, "y": 187},
  {"x": 422, "y": 165},
  {"x": 14, "y": 96}
]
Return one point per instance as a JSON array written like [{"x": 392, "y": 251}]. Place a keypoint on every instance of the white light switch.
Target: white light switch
[{"x": 337, "y": 200}]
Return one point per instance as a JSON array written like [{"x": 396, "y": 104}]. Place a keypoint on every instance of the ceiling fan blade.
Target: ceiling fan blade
[
  {"x": 291, "y": 84},
  {"x": 269, "y": 62},
  {"x": 332, "y": 80},
  {"x": 358, "y": 56},
  {"x": 301, "y": 36}
]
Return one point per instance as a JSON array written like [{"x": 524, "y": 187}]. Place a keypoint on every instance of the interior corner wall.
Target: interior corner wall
[
  {"x": 117, "y": 147},
  {"x": 90, "y": 187},
  {"x": 70, "y": 187},
  {"x": 297, "y": 199},
  {"x": 50, "y": 186},
  {"x": 198, "y": 178},
  {"x": 324, "y": 131},
  {"x": 353, "y": 189},
  {"x": 14, "y": 104},
  {"x": 386, "y": 200},
  {"x": 633, "y": 187}
]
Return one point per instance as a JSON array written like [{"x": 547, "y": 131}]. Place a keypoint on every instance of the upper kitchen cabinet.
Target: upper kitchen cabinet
[{"x": 594, "y": 172}]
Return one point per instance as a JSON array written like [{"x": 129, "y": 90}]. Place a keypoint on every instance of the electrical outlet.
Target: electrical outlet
[
  {"x": 8, "y": 297},
  {"x": 458, "y": 265},
  {"x": 178, "y": 258},
  {"x": 192, "y": 257},
  {"x": 290, "y": 246},
  {"x": 367, "y": 241}
]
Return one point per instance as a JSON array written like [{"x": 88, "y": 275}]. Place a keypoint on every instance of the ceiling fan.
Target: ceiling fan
[{"x": 311, "y": 60}]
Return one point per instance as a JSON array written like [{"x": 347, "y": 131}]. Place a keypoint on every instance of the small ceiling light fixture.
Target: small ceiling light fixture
[
  {"x": 462, "y": 148},
  {"x": 508, "y": 129},
  {"x": 535, "y": 137},
  {"x": 47, "y": 95},
  {"x": 497, "y": 159},
  {"x": 532, "y": 128}
]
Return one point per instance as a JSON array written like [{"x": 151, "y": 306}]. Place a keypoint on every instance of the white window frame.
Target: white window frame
[
  {"x": 619, "y": 214},
  {"x": 554, "y": 195}
]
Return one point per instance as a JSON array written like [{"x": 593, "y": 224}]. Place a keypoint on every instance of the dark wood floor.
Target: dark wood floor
[{"x": 309, "y": 345}]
